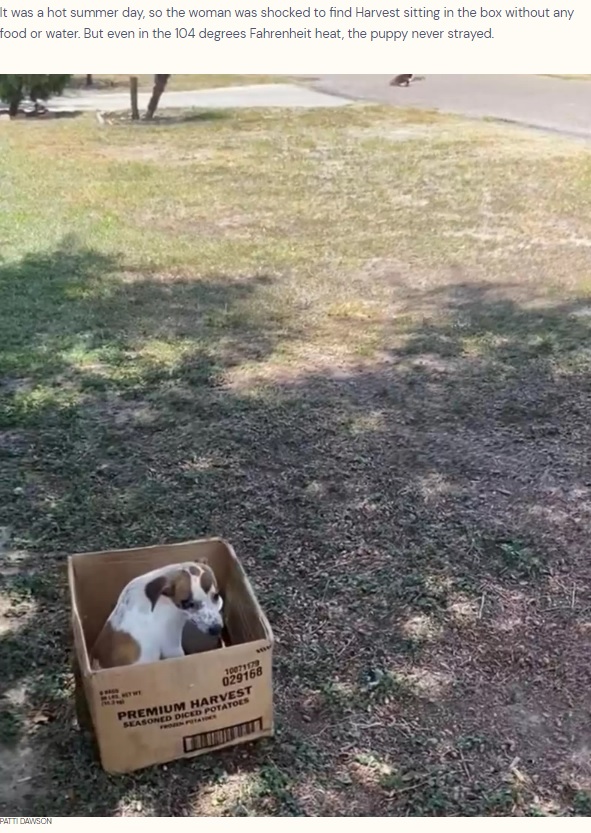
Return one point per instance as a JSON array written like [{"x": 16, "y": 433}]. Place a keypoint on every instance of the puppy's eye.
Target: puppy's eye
[
  {"x": 187, "y": 604},
  {"x": 216, "y": 597}
]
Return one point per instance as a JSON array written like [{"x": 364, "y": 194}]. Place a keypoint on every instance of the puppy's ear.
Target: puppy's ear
[
  {"x": 156, "y": 587},
  {"x": 177, "y": 586}
]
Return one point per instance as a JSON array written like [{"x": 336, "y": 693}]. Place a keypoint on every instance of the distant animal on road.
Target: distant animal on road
[{"x": 401, "y": 80}]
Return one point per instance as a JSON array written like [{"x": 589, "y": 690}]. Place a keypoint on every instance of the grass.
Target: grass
[
  {"x": 355, "y": 343},
  {"x": 114, "y": 83}
]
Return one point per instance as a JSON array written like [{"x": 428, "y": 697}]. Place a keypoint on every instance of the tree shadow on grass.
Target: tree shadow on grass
[
  {"x": 69, "y": 316},
  {"x": 169, "y": 116},
  {"x": 84, "y": 341},
  {"x": 406, "y": 526},
  {"x": 46, "y": 115}
]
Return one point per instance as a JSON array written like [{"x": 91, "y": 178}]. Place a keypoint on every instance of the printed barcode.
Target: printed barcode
[{"x": 205, "y": 740}]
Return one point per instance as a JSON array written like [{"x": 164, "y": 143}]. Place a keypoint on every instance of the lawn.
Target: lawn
[
  {"x": 356, "y": 344},
  {"x": 115, "y": 83}
]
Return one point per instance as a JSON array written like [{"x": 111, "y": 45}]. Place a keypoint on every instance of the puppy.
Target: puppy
[
  {"x": 151, "y": 612},
  {"x": 401, "y": 80}
]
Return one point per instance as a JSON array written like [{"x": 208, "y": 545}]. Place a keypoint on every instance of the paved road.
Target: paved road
[
  {"x": 554, "y": 104},
  {"x": 256, "y": 95}
]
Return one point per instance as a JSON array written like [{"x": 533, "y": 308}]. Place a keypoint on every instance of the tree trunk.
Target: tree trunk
[
  {"x": 13, "y": 104},
  {"x": 135, "y": 113},
  {"x": 160, "y": 82},
  {"x": 89, "y": 80}
]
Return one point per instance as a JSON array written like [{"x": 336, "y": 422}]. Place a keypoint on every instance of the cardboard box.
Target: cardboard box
[{"x": 174, "y": 708}]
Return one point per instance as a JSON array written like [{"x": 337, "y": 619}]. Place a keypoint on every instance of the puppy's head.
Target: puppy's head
[{"x": 193, "y": 589}]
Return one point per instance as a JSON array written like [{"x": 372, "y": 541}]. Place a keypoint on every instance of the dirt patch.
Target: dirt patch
[{"x": 17, "y": 778}]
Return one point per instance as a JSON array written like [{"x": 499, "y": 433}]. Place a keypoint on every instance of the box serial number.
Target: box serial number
[
  {"x": 241, "y": 677},
  {"x": 246, "y": 666}
]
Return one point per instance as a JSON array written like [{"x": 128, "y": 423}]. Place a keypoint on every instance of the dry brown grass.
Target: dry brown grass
[{"x": 113, "y": 83}]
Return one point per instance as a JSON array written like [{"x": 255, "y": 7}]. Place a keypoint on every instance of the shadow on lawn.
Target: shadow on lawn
[
  {"x": 45, "y": 115},
  {"x": 79, "y": 350},
  {"x": 169, "y": 116},
  {"x": 365, "y": 507}
]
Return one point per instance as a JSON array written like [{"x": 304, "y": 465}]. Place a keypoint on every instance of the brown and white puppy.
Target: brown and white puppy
[{"x": 151, "y": 612}]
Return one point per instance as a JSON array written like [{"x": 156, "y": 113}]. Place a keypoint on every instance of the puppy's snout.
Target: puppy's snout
[{"x": 214, "y": 630}]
